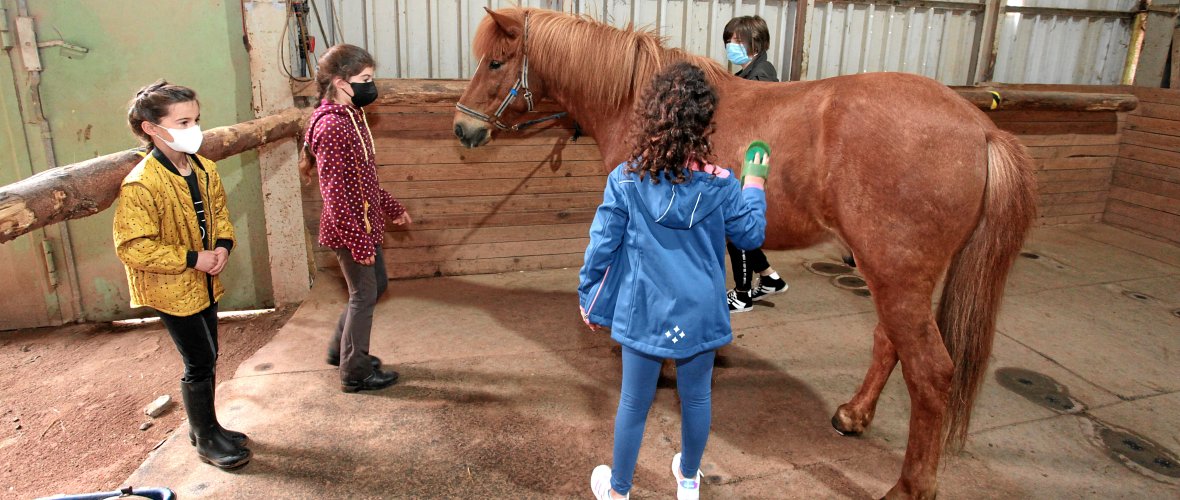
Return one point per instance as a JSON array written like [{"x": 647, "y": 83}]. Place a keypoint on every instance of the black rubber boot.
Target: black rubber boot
[
  {"x": 213, "y": 447},
  {"x": 238, "y": 438}
]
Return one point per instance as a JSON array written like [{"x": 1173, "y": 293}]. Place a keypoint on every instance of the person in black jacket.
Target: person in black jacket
[{"x": 746, "y": 41}]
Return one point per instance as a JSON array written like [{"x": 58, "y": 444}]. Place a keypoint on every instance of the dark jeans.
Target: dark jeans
[
  {"x": 745, "y": 263},
  {"x": 351, "y": 338},
  {"x": 196, "y": 338}
]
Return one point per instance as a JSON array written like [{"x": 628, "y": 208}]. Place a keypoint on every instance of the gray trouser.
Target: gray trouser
[{"x": 365, "y": 285}]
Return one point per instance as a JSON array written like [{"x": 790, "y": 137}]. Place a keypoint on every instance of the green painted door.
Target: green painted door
[
  {"x": 31, "y": 297},
  {"x": 84, "y": 96}
]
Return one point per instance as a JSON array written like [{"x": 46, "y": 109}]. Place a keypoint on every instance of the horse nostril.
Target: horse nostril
[{"x": 458, "y": 131}]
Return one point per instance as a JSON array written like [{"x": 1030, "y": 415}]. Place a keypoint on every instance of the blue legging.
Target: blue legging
[{"x": 640, "y": 372}]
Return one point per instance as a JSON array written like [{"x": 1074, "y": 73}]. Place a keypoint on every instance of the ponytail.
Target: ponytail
[{"x": 343, "y": 61}]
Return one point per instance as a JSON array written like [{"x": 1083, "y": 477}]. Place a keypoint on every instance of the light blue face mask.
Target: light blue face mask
[{"x": 736, "y": 53}]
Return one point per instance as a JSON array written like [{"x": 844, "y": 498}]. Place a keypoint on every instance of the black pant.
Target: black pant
[
  {"x": 195, "y": 337},
  {"x": 365, "y": 285},
  {"x": 745, "y": 263}
]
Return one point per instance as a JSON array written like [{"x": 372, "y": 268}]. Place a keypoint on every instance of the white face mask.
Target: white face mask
[{"x": 184, "y": 140}]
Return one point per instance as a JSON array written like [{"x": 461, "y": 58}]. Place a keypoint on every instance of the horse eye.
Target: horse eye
[{"x": 495, "y": 64}]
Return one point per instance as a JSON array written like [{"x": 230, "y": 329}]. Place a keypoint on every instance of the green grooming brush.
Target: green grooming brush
[{"x": 750, "y": 167}]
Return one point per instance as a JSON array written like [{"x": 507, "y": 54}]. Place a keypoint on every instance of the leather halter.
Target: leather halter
[{"x": 522, "y": 83}]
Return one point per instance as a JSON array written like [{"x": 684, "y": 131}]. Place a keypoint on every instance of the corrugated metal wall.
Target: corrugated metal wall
[
  {"x": 432, "y": 38},
  {"x": 1076, "y": 41},
  {"x": 697, "y": 25},
  {"x": 935, "y": 40},
  {"x": 1059, "y": 47}
]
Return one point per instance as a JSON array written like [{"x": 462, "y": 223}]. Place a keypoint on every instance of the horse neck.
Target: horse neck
[
  {"x": 596, "y": 72},
  {"x": 588, "y": 68},
  {"x": 609, "y": 127}
]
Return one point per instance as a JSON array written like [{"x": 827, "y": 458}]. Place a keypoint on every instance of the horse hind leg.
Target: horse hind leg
[
  {"x": 854, "y": 417},
  {"x": 908, "y": 322}
]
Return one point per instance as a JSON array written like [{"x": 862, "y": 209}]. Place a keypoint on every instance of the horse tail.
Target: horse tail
[{"x": 975, "y": 281}]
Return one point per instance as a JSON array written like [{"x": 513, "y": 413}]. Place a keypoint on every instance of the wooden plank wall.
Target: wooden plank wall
[
  {"x": 524, "y": 202},
  {"x": 1074, "y": 153},
  {"x": 1145, "y": 190}
]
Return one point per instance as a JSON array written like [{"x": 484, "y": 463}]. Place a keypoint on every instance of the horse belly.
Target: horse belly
[{"x": 789, "y": 229}]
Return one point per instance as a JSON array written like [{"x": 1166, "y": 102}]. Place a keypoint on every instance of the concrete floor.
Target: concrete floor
[{"x": 505, "y": 394}]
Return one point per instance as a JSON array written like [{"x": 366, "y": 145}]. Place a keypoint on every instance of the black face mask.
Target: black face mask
[{"x": 364, "y": 93}]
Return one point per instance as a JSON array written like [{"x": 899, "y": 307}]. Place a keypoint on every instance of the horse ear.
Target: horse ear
[{"x": 510, "y": 25}]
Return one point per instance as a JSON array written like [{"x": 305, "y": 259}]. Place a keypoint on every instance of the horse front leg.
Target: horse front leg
[
  {"x": 909, "y": 325},
  {"x": 854, "y": 417}
]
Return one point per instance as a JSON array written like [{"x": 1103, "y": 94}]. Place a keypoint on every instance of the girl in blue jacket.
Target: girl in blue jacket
[{"x": 654, "y": 269}]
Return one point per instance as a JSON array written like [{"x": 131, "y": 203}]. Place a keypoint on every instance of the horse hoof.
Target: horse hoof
[{"x": 843, "y": 432}]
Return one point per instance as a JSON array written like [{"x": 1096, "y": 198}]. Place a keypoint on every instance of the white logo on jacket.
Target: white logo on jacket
[{"x": 675, "y": 334}]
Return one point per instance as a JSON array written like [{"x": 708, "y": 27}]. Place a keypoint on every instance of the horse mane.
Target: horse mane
[{"x": 585, "y": 57}]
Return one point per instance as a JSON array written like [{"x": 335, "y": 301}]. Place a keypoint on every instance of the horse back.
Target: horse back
[{"x": 858, "y": 155}]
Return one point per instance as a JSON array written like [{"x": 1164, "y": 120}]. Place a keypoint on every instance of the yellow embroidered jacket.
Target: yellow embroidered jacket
[{"x": 157, "y": 235}]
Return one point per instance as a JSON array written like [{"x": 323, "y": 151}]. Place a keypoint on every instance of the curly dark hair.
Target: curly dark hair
[{"x": 673, "y": 124}]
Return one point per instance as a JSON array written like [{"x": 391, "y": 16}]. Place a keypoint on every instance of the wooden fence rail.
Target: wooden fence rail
[{"x": 86, "y": 188}]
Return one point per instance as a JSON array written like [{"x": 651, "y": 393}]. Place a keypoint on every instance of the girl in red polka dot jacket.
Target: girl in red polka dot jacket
[{"x": 338, "y": 146}]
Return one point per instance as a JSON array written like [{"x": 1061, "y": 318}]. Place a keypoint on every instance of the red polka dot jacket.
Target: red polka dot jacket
[{"x": 355, "y": 206}]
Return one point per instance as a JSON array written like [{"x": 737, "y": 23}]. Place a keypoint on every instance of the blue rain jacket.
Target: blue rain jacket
[{"x": 655, "y": 267}]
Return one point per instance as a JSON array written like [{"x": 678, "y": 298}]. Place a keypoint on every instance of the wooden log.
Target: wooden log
[
  {"x": 1011, "y": 99},
  {"x": 86, "y": 188},
  {"x": 393, "y": 92}
]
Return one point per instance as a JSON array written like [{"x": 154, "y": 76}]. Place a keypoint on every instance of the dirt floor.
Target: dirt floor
[
  {"x": 505, "y": 394},
  {"x": 73, "y": 399}
]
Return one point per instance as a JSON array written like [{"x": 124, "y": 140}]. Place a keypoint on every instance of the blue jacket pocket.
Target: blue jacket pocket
[{"x": 601, "y": 299}]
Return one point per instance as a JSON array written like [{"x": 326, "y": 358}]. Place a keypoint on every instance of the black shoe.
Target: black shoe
[
  {"x": 768, "y": 286},
  {"x": 739, "y": 301},
  {"x": 374, "y": 382},
  {"x": 334, "y": 360},
  {"x": 213, "y": 447}
]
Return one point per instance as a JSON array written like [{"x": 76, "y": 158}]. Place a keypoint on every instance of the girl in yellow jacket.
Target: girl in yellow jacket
[{"x": 173, "y": 234}]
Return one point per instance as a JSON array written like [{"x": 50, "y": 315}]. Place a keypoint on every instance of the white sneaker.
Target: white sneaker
[
  {"x": 600, "y": 483},
  {"x": 686, "y": 489}
]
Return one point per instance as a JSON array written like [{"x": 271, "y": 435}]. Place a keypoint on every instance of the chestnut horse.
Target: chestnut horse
[{"x": 911, "y": 177}]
